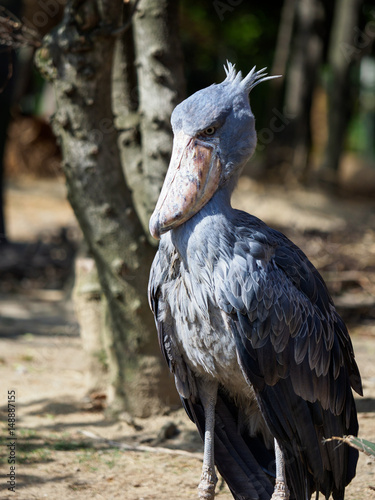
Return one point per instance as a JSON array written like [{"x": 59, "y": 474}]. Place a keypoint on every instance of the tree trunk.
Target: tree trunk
[
  {"x": 341, "y": 57},
  {"x": 7, "y": 63},
  {"x": 148, "y": 84},
  {"x": 78, "y": 58},
  {"x": 161, "y": 88},
  {"x": 282, "y": 51},
  {"x": 88, "y": 306},
  {"x": 301, "y": 78}
]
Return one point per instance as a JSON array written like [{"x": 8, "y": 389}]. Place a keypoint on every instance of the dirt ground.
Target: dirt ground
[{"x": 65, "y": 447}]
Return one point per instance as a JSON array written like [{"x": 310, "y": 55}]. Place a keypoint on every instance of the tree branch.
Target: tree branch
[{"x": 15, "y": 34}]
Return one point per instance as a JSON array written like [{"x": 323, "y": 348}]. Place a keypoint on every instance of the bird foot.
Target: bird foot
[
  {"x": 206, "y": 488},
  {"x": 281, "y": 491}
]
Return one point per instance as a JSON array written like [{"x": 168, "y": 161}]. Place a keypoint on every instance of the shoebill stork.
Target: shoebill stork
[{"x": 262, "y": 361}]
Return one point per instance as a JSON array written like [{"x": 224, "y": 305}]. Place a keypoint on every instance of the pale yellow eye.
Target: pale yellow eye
[{"x": 209, "y": 131}]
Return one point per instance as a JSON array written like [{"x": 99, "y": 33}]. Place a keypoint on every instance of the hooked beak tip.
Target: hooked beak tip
[{"x": 154, "y": 226}]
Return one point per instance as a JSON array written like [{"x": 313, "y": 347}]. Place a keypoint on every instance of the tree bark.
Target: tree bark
[
  {"x": 78, "y": 58},
  {"x": 341, "y": 57},
  {"x": 282, "y": 50},
  {"x": 148, "y": 84},
  {"x": 301, "y": 79},
  {"x": 125, "y": 107},
  {"x": 7, "y": 81},
  {"x": 161, "y": 87},
  {"x": 88, "y": 305}
]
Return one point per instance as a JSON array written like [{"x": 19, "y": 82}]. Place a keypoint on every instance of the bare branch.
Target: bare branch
[
  {"x": 359, "y": 444},
  {"x": 14, "y": 33}
]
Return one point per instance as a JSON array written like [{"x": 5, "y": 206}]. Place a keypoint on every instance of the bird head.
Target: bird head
[{"x": 214, "y": 136}]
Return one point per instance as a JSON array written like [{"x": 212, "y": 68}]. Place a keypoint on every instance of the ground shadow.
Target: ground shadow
[{"x": 365, "y": 405}]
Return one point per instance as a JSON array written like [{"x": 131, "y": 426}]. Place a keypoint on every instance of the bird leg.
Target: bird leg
[
  {"x": 281, "y": 490},
  {"x": 208, "y": 395}
]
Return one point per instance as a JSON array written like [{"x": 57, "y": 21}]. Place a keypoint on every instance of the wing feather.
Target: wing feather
[
  {"x": 184, "y": 379},
  {"x": 295, "y": 351},
  {"x": 286, "y": 303},
  {"x": 292, "y": 346}
]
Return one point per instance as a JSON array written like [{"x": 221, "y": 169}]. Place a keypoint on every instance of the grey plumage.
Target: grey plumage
[{"x": 237, "y": 303}]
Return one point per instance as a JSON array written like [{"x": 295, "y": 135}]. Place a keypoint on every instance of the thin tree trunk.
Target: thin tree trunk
[
  {"x": 161, "y": 87},
  {"x": 279, "y": 67},
  {"x": 341, "y": 58},
  {"x": 7, "y": 82},
  {"x": 125, "y": 107},
  {"x": 148, "y": 84},
  {"x": 305, "y": 61},
  {"x": 78, "y": 58},
  {"x": 282, "y": 49},
  {"x": 88, "y": 305}
]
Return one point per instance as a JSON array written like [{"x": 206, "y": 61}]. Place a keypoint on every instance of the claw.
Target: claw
[
  {"x": 281, "y": 491},
  {"x": 206, "y": 488}
]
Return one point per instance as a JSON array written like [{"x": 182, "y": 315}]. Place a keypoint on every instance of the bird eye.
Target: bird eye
[{"x": 209, "y": 131}]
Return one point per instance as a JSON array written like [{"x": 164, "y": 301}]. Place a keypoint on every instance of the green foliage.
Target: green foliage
[
  {"x": 363, "y": 445},
  {"x": 245, "y": 35},
  {"x": 359, "y": 444}
]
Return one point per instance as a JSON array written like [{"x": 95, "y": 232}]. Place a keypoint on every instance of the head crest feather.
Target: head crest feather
[{"x": 250, "y": 80}]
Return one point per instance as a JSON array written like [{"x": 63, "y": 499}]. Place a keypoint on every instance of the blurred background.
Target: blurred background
[
  {"x": 312, "y": 176},
  {"x": 319, "y": 117},
  {"x": 316, "y": 124}
]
